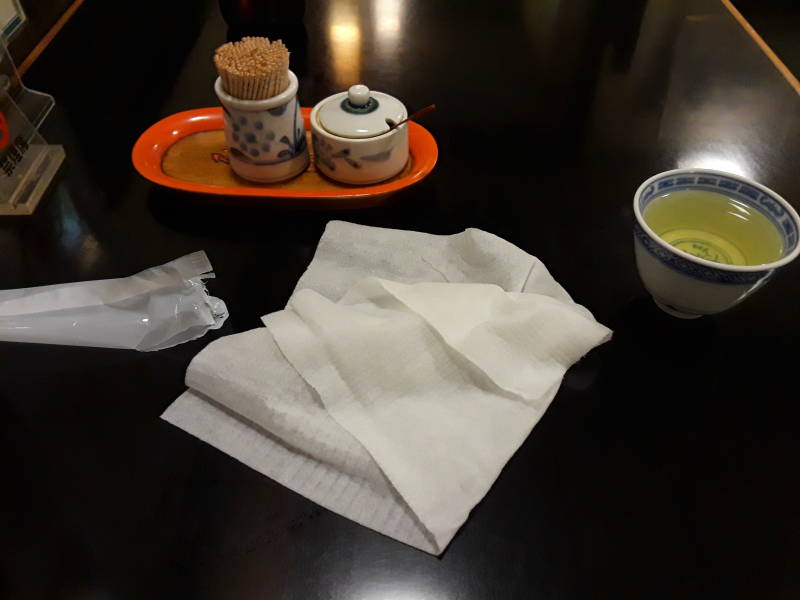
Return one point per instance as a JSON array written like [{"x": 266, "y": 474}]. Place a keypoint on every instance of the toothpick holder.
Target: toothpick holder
[{"x": 266, "y": 138}]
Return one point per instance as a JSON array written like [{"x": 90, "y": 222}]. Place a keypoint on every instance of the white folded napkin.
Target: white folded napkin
[{"x": 417, "y": 365}]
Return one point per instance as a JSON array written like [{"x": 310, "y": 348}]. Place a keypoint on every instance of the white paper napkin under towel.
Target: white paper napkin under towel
[{"x": 405, "y": 371}]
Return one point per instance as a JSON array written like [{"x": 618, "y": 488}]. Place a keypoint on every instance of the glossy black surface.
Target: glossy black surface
[
  {"x": 666, "y": 467},
  {"x": 777, "y": 22}
]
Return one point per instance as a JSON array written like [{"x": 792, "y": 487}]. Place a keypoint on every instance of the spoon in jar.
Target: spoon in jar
[{"x": 420, "y": 113}]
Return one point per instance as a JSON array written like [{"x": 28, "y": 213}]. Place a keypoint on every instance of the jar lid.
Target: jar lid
[{"x": 360, "y": 113}]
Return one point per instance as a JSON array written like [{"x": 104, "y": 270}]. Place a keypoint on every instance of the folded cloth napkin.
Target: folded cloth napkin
[{"x": 405, "y": 371}]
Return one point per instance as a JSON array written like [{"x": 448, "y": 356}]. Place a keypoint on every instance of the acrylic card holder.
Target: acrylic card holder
[{"x": 27, "y": 163}]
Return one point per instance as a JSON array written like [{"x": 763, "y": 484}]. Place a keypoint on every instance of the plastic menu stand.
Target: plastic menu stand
[{"x": 27, "y": 163}]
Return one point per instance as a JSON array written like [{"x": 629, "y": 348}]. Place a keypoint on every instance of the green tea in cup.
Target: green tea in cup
[
  {"x": 705, "y": 240},
  {"x": 714, "y": 227}
]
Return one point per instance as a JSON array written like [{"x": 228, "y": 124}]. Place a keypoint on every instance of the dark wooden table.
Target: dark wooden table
[{"x": 667, "y": 466}]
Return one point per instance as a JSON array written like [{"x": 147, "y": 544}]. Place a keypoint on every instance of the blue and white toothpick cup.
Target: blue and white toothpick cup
[{"x": 266, "y": 138}]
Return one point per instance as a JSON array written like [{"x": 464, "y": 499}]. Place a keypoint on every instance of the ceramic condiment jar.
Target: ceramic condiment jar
[
  {"x": 352, "y": 141},
  {"x": 266, "y": 138}
]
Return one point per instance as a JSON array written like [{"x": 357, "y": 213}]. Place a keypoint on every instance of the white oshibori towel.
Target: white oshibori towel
[{"x": 405, "y": 371}]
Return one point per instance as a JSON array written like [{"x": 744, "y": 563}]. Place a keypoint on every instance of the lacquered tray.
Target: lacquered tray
[{"x": 186, "y": 151}]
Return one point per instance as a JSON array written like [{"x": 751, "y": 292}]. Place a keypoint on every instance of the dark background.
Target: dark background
[
  {"x": 41, "y": 15},
  {"x": 778, "y": 22},
  {"x": 666, "y": 466}
]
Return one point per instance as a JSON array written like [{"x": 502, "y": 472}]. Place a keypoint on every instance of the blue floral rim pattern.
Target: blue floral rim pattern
[
  {"x": 734, "y": 188},
  {"x": 693, "y": 269}
]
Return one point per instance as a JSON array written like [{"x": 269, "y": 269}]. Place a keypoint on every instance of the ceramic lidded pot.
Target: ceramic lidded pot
[{"x": 352, "y": 141}]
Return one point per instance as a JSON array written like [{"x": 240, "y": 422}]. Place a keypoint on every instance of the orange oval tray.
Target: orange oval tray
[{"x": 186, "y": 151}]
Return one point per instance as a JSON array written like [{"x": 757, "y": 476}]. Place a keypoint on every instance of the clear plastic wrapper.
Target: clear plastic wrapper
[{"x": 160, "y": 307}]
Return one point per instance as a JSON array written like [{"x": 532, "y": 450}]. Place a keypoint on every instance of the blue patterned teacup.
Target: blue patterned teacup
[
  {"x": 266, "y": 138},
  {"x": 687, "y": 286}
]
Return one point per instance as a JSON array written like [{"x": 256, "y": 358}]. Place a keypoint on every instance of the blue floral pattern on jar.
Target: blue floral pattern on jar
[
  {"x": 324, "y": 153},
  {"x": 256, "y": 135}
]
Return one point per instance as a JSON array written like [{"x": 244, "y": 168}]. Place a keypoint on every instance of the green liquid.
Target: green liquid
[{"x": 714, "y": 227}]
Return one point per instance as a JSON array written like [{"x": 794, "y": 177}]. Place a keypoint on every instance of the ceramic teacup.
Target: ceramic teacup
[
  {"x": 687, "y": 286},
  {"x": 266, "y": 138}
]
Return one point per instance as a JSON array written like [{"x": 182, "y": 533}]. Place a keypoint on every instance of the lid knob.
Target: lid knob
[{"x": 358, "y": 95}]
